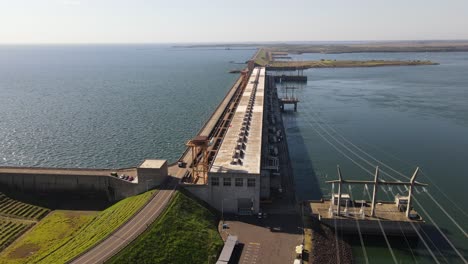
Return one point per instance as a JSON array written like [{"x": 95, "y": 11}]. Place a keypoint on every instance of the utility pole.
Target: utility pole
[
  {"x": 410, "y": 192},
  {"x": 340, "y": 180},
  {"x": 376, "y": 182},
  {"x": 374, "y": 193}
]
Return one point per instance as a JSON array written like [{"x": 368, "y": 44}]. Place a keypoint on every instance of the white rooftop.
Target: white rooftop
[
  {"x": 237, "y": 153},
  {"x": 152, "y": 164}
]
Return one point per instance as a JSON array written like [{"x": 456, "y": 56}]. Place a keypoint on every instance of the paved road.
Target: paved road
[
  {"x": 272, "y": 239},
  {"x": 265, "y": 241},
  {"x": 132, "y": 229}
]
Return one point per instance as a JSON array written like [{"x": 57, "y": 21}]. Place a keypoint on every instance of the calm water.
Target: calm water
[
  {"x": 113, "y": 106},
  {"x": 106, "y": 106},
  {"x": 402, "y": 116}
]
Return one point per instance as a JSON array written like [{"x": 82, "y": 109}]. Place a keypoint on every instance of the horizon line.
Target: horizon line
[{"x": 226, "y": 42}]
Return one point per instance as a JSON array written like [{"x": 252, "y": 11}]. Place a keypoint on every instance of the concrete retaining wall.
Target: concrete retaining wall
[{"x": 44, "y": 180}]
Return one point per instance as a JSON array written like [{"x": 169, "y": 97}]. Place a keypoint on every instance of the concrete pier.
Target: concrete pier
[
  {"x": 386, "y": 216},
  {"x": 290, "y": 101}
]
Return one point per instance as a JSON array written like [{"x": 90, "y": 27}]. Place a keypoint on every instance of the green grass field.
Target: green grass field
[
  {"x": 16, "y": 217},
  {"x": 185, "y": 233},
  {"x": 15, "y": 209},
  {"x": 63, "y": 235},
  {"x": 261, "y": 58},
  {"x": 346, "y": 63},
  {"x": 52, "y": 230},
  {"x": 10, "y": 230}
]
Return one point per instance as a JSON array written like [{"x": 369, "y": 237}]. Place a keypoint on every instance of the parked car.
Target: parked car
[
  {"x": 131, "y": 178},
  {"x": 181, "y": 164}
]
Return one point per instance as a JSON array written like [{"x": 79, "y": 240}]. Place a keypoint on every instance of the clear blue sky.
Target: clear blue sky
[{"x": 154, "y": 21}]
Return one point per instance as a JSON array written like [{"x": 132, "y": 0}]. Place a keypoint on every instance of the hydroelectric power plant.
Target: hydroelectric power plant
[{"x": 237, "y": 163}]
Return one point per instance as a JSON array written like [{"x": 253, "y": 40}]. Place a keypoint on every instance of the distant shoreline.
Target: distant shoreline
[
  {"x": 267, "y": 57},
  {"x": 344, "y": 64},
  {"x": 361, "y": 47}
]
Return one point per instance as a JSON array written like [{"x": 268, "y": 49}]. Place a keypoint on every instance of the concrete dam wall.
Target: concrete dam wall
[{"x": 147, "y": 175}]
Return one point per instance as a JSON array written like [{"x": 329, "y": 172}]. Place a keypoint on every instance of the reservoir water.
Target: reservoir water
[
  {"x": 402, "y": 116},
  {"x": 109, "y": 105},
  {"x": 114, "y": 105}
]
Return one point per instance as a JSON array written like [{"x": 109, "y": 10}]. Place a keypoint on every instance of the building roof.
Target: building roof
[
  {"x": 240, "y": 150},
  {"x": 152, "y": 164}
]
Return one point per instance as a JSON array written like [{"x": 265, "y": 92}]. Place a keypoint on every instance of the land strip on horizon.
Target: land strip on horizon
[{"x": 348, "y": 47}]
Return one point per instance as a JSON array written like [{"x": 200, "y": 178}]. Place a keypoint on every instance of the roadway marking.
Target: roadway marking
[{"x": 251, "y": 253}]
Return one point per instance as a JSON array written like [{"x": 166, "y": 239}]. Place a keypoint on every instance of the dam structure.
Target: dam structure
[
  {"x": 237, "y": 162},
  {"x": 115, "y": 184},
  {"x": 233, "y": 179}
]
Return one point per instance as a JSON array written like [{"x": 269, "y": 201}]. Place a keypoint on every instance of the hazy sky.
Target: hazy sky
[{"x": 153, "y": 21}]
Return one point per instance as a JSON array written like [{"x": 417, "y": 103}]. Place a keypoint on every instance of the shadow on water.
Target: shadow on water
[
  {"x": 306, "y": 181},
  {"x": 441, "y": 245}
]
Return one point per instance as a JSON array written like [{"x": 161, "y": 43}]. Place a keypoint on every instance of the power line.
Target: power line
[
  {"x": 366, "y": 161},
  {"x": 334, "y": 138},
  {"x": 389, "y": 167}
]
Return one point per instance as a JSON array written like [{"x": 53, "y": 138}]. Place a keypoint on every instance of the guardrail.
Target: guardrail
[{"x": 234, "y": 87}]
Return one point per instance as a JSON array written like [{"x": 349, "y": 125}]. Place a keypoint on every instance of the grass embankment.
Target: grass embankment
[
  {"x": 12, "y": 208},
  {"x": 10, "y": 230},
  {"x": 57, "y": 227},
  {"x": 263, "y": 57},
  {"x": 185, "y": 233},
  {"x": 63, "y": 235},
  {"x": 394, "y": 46},
  {"x": 17, "y": 217},
  {"x": 346, "y": 63}
]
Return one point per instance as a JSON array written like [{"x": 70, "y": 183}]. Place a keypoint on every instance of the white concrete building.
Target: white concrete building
[{"x": 234, "y": 177}]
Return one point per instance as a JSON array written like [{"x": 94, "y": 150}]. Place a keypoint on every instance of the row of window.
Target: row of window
[{"x": 239, "y": 182}]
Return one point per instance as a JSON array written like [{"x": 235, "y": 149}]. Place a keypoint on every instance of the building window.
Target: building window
[
  {"x": 239, "y": 182},
  {"x": 214, "y": 181},
  {"x": 251, "y": 182},
  {"x": 227, "y": 181}
]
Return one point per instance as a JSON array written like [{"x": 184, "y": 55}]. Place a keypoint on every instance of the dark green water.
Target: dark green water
[{"x": 402, "y": 116}]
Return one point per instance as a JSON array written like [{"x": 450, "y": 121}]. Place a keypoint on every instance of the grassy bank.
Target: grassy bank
[
  {"x": 63, "y": 235},
  {"x": 262, "y": 57},
  {"x": 185, "y": 233},
  {"x": 346, "y": 63},
  {"x": 12, "y": 208},
  {"x": 10, "y": 230},
  {"x": 17, "y": 217},
  {"x": 54, "y": 229}
]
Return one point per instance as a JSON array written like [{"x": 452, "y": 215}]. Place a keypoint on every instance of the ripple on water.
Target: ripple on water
[{"x": 106, "y": 106}]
